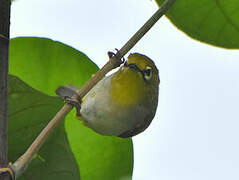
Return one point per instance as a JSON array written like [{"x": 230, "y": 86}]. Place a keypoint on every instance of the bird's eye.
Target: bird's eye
[{"x": 148, "y": 73}]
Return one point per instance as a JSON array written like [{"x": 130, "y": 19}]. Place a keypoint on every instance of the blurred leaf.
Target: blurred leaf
[
  {"x": 29, "y": 112},
  {"x": 46, "y": 64},
  {"x": 210, "y": 21}
]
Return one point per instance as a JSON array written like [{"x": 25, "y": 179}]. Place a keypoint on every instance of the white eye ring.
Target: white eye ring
[{"x": 147, "y": 73}]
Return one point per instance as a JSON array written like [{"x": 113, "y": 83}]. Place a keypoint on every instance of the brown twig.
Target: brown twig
[
  {"x": 20, "y": 165},
  {"x": 4, "y": 48}
]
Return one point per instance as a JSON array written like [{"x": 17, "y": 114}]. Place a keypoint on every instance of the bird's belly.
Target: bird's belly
[{"x": 103, "y": 116}]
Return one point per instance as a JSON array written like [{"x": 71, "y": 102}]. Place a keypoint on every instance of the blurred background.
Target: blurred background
[{"x": 194, "y": 134}]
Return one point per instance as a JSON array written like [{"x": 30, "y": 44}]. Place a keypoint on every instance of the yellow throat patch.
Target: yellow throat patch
[{"x": 127, "y": 87}]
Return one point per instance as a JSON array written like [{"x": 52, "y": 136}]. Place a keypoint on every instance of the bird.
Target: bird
[{"x": 124, "y": 103}]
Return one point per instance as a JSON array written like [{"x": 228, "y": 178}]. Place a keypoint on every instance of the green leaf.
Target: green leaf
[
  {"x": 29, "y": 112},
  {"x": 46, "y": 64},
  {"x": 100, "y": 157},
  {"x": 210, "y": 21}
]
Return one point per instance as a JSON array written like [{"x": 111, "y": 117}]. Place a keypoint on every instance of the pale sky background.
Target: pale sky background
[{"x": 196, "y": 129}]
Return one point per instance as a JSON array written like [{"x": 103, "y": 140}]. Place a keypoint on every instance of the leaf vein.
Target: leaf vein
[
  {"x": 229, "y": 20},
  {"x": 30, "y": 107}
]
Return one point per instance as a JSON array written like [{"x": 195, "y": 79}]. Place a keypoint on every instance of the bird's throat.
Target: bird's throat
[{"x": 127, "y": 88}]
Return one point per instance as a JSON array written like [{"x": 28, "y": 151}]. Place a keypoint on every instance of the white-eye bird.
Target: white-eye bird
[{"x": 124, "y": 103}]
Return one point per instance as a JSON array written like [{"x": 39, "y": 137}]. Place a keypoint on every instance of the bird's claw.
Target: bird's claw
[
  {"x": 76, "y": 102},
  {"x": 70, "y": 95},
  {"x": 117, "y": 55}
]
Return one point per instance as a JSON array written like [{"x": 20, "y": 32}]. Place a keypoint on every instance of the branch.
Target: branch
[
  {"x": 20, "y": 165},
  {"x": 4, "y": 47}
]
